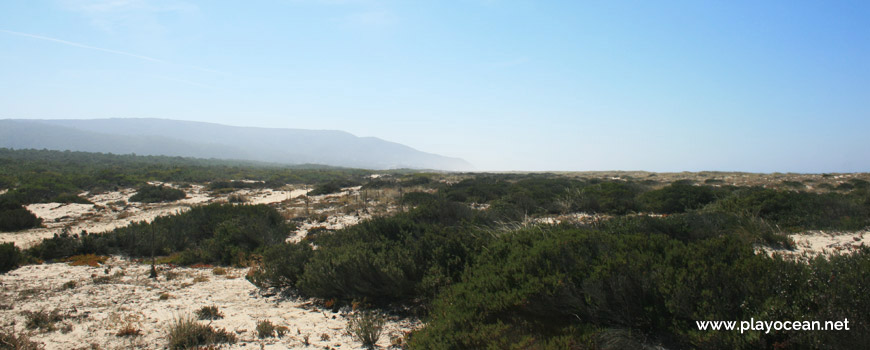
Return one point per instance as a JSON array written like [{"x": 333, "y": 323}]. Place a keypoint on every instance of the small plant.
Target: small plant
[
  {"x": 281, "y": 331},
  {"x": 200, "y": 278},
  {"x": 12, "y": 341},
  {"x": 237, "y": 198},
  {"x": 103, "y": 279},
  {"x": 165, "y": 296},
  {"x": 219, "y": 271},
  {"x": 265, "y": 329},
  {"x": 128, "y": 331},
  {"x": 42, "y": 320},
  {"x": 209, "y": 313},
  {"x": 324, "y": 337},
  {"x": 68, "y": 285},
  {"x": 171, "y": 275},
  {"x": 186, "y": 333},
  {"x": 366, "y": 327}
]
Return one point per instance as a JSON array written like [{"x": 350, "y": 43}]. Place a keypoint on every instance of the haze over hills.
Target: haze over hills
[{"x": 209, "y": 140}]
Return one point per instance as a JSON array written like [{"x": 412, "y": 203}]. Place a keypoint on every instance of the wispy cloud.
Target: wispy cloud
[
  {"x": 70, "y": 43},
  {"x": 137, "y": 15},
  {"x": 121, "y": 53}
]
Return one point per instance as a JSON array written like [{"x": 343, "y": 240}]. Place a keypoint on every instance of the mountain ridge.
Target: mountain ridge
[{"x": 152, "y": 136}]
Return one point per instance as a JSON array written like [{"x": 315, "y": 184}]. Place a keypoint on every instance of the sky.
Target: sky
[{"x": 759, "y": 86}]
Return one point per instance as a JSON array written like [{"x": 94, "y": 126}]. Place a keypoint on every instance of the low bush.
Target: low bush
[
  {"x": 11, "y": 341},
  {"x": 128, "y": 331},
  {"x": 209, "y": 313},
  {"x": 267, "y": 329},
  {"x": 794, "y": 211},
  {"x": 43, "y": 320},
  {"x": 214, "y": 233},
  {"x": 10, "y": 257},
  {"x": 156, "y": 194},
  {"x": 607, "y": 197},
  {"x": 366, "y": 327},
  {"x": 14, "y": 217},
  {"x": 330, "y": 187},
  {"x": 562, "y": 287},
  {"x": 185, "y": 333},
  {"x": 677, "y": 197}
]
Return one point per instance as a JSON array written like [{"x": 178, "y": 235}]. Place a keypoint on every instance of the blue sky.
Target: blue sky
[{"x": 758, "y": 86}]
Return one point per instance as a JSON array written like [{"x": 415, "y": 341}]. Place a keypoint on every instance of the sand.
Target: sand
[
  {"x": 813, "y": 243},
  {"x": 98, "y": 310}
]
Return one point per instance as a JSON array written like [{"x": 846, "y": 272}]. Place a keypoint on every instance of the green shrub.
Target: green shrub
[
  {"x": 214, "y": 233},
  {"x": 677, "y": 198},
  {"x": 283, "y": 265},
  {"x": 330, "y": 187},
  {"x": 793, "y": 211},
  {"x": 209, "y": 313},
  {"x": 267, "y": 329},
  {"x": 405, "y": 257},
  {"x": 366, "y": 327},
  {"x": 155, "y": 194},
  {"x": 186, "y": 333},
  {"x": 10, "y": 257},
  {"x": 607, "y": 197},
  {"x": 14, "y": 217}
]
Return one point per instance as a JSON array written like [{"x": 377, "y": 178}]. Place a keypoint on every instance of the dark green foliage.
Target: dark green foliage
[
  {"x": 405, "y": 257},
  {"x": 607, "y": 197},
  {"x": 156, "y": 194},
  {"x": 677, "y": 197},
  {"x": 480, "y": 189},
  {"x": 283, "y": 265},
  {"x": 798, "y": 210},
  {"x": 41, "y": 176},
  {"x": 214, "y": 233},
  {"x": 10, "y": 257},
  {"x": 330, "y": 187},
  {"x": 14, "y": 217},
  {"x": 545, "y": 288},
  {"x": 417, "y": 198}
]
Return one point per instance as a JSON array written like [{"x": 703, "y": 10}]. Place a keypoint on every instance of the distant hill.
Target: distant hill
[{"x": 208, "y": 140}]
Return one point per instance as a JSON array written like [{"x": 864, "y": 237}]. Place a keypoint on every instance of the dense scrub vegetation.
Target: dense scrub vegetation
[
  {"x": 483, "y": 280},
  {"x": 214, "y": 234},
  {"x": 41, "y": 176},
  {"x": 489, "y": 278},
  {"x": 407, "y": 257},
  {"x": 564, "y": 288},
  {"x": 15, "y": 217},
  {"x": 156, "y": 194}
]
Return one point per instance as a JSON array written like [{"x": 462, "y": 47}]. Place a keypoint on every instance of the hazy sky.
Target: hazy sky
[{"x": 507, "y": 85}]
